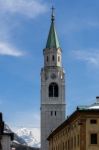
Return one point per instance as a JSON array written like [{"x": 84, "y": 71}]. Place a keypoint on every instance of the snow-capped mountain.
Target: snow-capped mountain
[{"x": 31, "y": 136}]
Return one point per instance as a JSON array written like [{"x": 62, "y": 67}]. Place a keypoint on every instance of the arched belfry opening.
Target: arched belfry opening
[{"x": 53, "y": 90}]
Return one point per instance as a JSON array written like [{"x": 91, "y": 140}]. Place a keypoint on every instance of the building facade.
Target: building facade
[
  {"x": 5, "y": 137},
  {"x": 6, "y": 141},
  {"x": 78, "y": 132},
  {"x": 52, "y": 86}
]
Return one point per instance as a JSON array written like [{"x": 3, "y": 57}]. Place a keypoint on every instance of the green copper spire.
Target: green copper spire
[{"x": 52, "y": 41}]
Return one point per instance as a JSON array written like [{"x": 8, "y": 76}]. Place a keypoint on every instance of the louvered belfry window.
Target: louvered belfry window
[{"x": 53, "y": 90}]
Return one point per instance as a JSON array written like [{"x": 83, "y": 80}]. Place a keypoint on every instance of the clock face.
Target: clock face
[{"x": 53, "y": 76}]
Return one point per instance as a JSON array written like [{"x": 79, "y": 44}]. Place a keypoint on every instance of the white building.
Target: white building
[
  {"x": 6, "y": 137},
  {"x": 52, "y": 87},
  {"x": 6, "y": 141}
]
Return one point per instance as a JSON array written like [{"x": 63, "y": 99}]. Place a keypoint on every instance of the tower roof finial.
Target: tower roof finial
[
  {"x": 53, "y": 16},
  {"x": 52, "y": 41}
]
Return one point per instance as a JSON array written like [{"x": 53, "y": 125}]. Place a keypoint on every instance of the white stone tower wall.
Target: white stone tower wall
[
  {"x": 52, "y": 87},
  {"x": 52, "y": 108}
]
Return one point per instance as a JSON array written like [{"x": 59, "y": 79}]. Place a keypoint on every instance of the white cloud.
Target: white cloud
[
  {"x": 6, "y": 49},
  {"x": 9, "y": 9},
  {"x": 29, "y": 8},
  {"x": 89, "y": 56}
]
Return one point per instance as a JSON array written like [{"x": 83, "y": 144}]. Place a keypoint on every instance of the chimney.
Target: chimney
[{"x": 97, "y": 98}]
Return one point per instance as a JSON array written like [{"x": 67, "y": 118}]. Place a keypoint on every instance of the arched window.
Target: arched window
[{"x": 53, "y": 90}]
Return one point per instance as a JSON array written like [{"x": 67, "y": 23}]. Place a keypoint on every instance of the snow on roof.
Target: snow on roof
[{"x": 94, "y": 106}]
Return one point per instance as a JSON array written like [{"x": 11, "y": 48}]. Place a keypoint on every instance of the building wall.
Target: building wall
[
  {"x": 6, "y": 142},
  {"x": 82, "y": 133},
  {"x": 52, "y": 108},
  {"x": 92, "y": 128},
  {"x": 67, "y": 139},
  {"x": 76, "y": 134}
]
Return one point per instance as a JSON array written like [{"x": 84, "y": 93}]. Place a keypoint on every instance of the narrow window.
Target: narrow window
[
  {"x": 56, "y": 90},
  {"x": 51, "y": 90},
  {"x": 78, "y": 140},
  {"x": 74, "y": 141},
  {"x": 68, "y": 144},
  {"x": 55, "y": 113},
  {"x": 51, "y": 113},
  {"x": 93, "y": 121},
  {"x": 53, "y": 58},
  {"x": 93, "y": 138},
  {"x": 47, "y": 58},
  {"x": 63, "y": 146},
  {"x": 58, "y": 58}
]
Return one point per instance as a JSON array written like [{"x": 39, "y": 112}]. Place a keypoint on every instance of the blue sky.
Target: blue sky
[{"x": 24, "y": 27}]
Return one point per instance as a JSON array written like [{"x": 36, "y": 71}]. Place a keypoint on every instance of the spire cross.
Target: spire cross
[{"x": 53, "y": 17}]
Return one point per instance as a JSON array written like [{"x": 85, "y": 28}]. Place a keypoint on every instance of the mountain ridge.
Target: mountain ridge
[{"x": 30, "y": 135}]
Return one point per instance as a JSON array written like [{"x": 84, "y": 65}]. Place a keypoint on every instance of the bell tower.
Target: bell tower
[{"x": 52, "y": 86}]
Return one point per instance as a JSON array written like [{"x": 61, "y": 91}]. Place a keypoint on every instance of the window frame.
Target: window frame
[
  {"x": 58, "y": 58},
  {"x": 47, "y": 59},
  {"x": 93, "y": 121},
  {"x": 53, "y": 58},
  {"x": 93, "y": 142},
  {"x": 53, "y": 90}
]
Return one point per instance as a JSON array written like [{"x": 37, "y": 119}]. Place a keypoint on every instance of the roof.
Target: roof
[
  {"x": 8, "y": 132},
  {"x": 92, "y": 106},
  {"x": 76, "y": 114},
  {"x": 11, "y": 135},
  {"x": 52, "y": 41}
]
